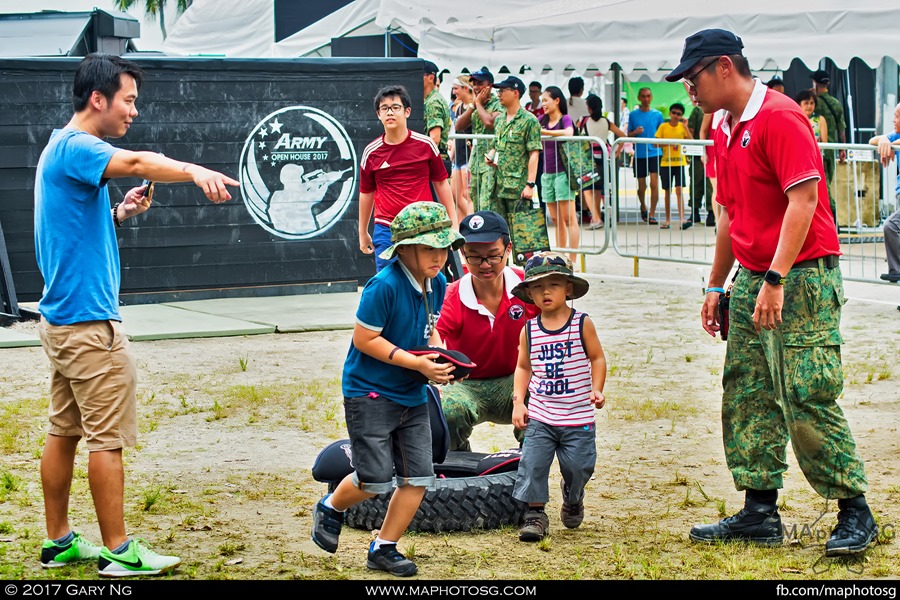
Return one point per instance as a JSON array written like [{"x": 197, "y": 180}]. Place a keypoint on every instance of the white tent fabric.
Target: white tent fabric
[
  {"x": 648, "y": 35},
  {"x": 414, "y": 16},
  {"x": 233, "y": 28}
]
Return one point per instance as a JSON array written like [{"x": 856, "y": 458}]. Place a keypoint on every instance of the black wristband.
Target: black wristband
[{"x": 115, "y": 213}]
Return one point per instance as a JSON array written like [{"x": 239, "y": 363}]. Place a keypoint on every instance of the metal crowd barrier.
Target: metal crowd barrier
[{"x": 861, "y": 189}]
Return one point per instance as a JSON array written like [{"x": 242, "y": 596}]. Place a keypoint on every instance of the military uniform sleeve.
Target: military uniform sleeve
[{"x": 533, "y": 134}]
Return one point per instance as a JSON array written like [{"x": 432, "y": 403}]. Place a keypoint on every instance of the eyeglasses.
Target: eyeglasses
[
  {"x": 476, "y": 261},
  {"x": 393, "y": 108},
  {"x": 689, "y": 81}
]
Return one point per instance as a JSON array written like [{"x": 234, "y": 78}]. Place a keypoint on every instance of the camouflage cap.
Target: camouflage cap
[
  {"x": 544, "y": 264},
  {"x": 425, "y": 223}
]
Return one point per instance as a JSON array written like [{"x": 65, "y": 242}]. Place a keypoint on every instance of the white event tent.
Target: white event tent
[{"x": 648, "y": 35}]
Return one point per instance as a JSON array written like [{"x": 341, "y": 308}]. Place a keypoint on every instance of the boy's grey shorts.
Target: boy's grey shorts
[
  {"x": 390, "y": 443},
  {"x": 574, "y": 447}
]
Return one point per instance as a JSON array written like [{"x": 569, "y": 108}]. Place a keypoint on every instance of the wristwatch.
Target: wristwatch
[
  {"x": 530, "y": 184},
  {"x": 774, "y": 277}
]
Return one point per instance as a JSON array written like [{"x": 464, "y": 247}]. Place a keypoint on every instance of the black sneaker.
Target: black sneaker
[
  {"x": 757, "y": 523},
  {"x": 571, "y": 515},
  {"x": 535, "y": 526},
  {"x": 856, "y": 529},
  {"x": 326, "y": 528},
  {"x": 710, "y": 219},
  {"x": 388, "y": 558}
]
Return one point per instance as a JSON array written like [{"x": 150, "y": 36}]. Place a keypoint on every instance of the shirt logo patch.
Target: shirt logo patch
[
  {"x": 384, "y": 165},
  {"x": 515, "y": 311},
  {"x": 745, "y": 139},
  {"x": 476, "y": 222}
]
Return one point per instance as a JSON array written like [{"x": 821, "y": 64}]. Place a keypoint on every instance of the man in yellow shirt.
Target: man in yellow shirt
[{"x": 672, "y": 162}]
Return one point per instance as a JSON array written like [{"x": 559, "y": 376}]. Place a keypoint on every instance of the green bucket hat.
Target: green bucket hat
[
  {"x": 425, "y": 223},
  {"x": 544, "y": 264}
]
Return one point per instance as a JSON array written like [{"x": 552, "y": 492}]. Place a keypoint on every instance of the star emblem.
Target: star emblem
[
  {"x": 261, "y": 145},
  {"x": 263, "y": 132},
  {"x": 276, "y": 126}
]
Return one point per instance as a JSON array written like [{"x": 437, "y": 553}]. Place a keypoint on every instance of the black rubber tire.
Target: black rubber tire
[{"x": 456, "y": 504}]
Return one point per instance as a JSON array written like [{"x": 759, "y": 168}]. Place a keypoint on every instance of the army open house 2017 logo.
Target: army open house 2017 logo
[{"x": 298, "y": 171}]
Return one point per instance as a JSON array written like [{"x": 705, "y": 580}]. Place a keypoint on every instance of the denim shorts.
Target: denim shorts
[{"x": 390, "y": 444}]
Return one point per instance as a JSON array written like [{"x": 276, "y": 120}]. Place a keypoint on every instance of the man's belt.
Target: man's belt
[{"x": 830, "y": 261}]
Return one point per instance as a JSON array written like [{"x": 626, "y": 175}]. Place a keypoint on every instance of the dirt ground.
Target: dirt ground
[{"x": 229, "y": 428}]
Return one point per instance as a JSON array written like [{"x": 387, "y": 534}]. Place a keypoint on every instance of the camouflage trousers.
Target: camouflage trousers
[
  {"x": 481, "y": 187},
  {"x": 783, "y": 384},
  {"x": 474, "y": 401}
]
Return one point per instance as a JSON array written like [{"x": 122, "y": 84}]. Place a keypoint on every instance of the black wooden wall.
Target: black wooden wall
[{"x": 202, "y": 111}]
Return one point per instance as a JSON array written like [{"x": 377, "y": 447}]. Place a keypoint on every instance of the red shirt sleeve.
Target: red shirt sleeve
[
  {"x": 448, "y": 323},
  {"x": 791, "y": 146},
  {"x": 366, "y": 181}
]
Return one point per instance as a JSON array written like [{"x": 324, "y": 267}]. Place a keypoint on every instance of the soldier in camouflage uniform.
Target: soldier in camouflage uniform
[
  {"x": 830, "y": 107},
  {"x": 517, "y": 146},
  {"x": 437, "y": 113},
  {"x": 783, "y": 370},
  {"x": 481, "y": 115}
]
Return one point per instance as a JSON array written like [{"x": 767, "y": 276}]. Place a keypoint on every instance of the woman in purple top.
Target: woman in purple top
[{"x": 558, "y": 196}]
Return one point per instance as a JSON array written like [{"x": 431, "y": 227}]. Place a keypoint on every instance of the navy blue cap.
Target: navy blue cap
[
  {"x": 821, "y": 76},
  {"x": 483, "y": 227},
  {"x": 431, "y": 68},
  {"x": 708, "y": 42},
  {"x": 513, "y": 83}
]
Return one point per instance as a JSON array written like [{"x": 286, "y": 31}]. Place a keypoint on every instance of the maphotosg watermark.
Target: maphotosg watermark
[{"x": 837, "y": 591}]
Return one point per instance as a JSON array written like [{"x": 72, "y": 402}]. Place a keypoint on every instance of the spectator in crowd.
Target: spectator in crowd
[
  {"x": 781, "y": 382},
  {"x": 892, "y": 225},
  {"x": 480, "y": 115},
  {"x": 643, "y": 123},
  {"x": 776, "y": 84},
  {"x": 482, "y": 319},
  {"x": 517, "y": 144},
  {"x": 534, "y": 104},
  {"x": 628, "y": 148},
  {"x": 807, "y": 101},
  {"x": 577, "y": 105},
  {"x": 558, "y": 194},
  {"x": 437, "y": 113},
  {"x": 831, "y": 108},
  {"x": 597, "y": 125},
  {"x": 461, "y": 150},
  {"x": 696, "y": 168},
  {"x": 671, "y": 165}
]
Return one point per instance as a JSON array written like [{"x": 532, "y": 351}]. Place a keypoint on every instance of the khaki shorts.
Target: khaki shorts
[{"x": 92, "y": 384}]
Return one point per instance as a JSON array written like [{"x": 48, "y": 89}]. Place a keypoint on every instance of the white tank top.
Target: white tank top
[{"x": 560, "y": 386}]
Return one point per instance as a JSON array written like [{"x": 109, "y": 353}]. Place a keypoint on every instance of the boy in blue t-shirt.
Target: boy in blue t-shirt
[{"x": 384, "y": 405}]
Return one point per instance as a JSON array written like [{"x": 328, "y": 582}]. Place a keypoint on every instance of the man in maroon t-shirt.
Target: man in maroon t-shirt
[
  {"x": 397, "y": 168},
  {"x": 483, "y": 320},
  {"x": 783, "y": 371}
]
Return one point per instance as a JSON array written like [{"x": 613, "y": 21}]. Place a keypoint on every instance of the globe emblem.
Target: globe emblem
[{"x": 298, "y": 171}]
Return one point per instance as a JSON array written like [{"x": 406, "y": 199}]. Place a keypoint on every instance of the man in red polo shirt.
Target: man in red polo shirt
[
  {"x": 783, "y": 371},
  {"x": 483, "y": 320}
]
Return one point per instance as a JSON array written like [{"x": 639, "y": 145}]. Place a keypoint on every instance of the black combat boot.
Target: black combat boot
[
  {"x": 856, "y": 528},
  {"x": 758, "y": 522}
]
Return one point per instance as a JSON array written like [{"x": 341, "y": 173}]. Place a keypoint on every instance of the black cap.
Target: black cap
[
  {"x": 483, "y": 227},
  {"x": 483, "y": 74},
  {"x": 709, "y": 42},
  {"x": 774, "y": 81},
  {"x": 431, "y": 68},
  {"x": 821, "y": 76},
  {"x": 513, "y": 83}
]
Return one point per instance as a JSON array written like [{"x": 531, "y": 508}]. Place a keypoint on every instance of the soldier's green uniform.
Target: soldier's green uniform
[
  {"x": 437, "y": 114},
  {"x": 830, "y": 107},
  {"x": 514, "y": 139},
  {"x": 804, "y": 356},
  {"x": 481, "y": 182}
]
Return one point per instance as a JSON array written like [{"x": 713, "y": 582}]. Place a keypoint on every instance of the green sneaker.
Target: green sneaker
[
  {"x": 53, "y": 555},
  {"x": 138, "y": 559}
]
